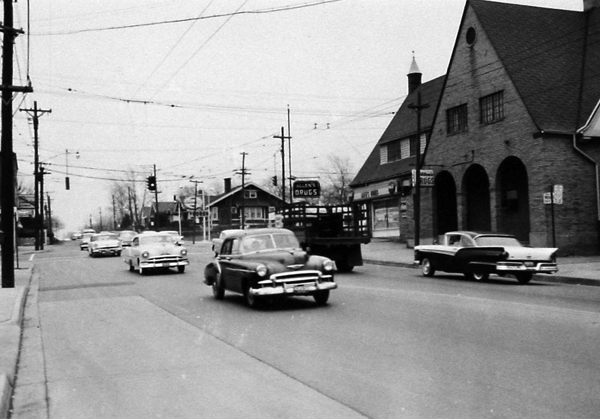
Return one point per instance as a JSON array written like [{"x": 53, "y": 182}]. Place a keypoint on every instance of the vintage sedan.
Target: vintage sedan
[
  {"x": 104, "y": 244},
  {"x": 153, "y": 251},
  {"x": 268, "y": 263},
  {"x": 126, "y": 237},
  {"x": 216, "y": 243},
  {"x": 85, "y": 240},
  {"x": 477, "y": 255}
]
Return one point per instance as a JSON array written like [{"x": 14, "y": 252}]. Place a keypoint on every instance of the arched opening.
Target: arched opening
[
  {"x": 476, "y": 190},
  {"x": 445, "y": 203},
  {"x": 512, "y": 186}
]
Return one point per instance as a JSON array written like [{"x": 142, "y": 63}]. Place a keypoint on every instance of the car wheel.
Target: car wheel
[
  {"x": 142, "y": 271},
  {"x": 118, "y": 254},
  {"x": 181, "y": 269},
  {"x": 427, "y": 267},
  {"x": 480, "y": 276},
  {"x": 524, "y": 277},
  {"x": 91, "y": 253},
  {"x": 131, "y": 268},
  {"x": 343, "y": 266},
  {"x": 321, "y": 297},
  {"x": 218, "y": 288}
]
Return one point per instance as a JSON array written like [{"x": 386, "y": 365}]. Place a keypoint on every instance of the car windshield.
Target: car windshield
[
  {"x": 127, "y": 234},
  {"x": 269, "y": 242},
  {"x": 497, "y": 241},
  {"x": 163, "y": 238},
  {"x": 101, "y": 237}
]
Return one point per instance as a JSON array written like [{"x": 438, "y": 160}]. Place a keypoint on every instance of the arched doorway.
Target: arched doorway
[
  {"x": 476, "y": 190},
  {"x": 445, "y": 203},
  {"x": 512, "y": 186}
]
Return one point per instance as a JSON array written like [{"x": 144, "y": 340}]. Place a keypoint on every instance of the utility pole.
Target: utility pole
[
  {"x": 40, "y": 231},
  {"x": 195, "y": 182},
  {"x": 50, "y": 231},
  {"x": 243, "y": 212},
  {"x": 156, "y": 220},
  {"x": 290, "y": 154},
  {"x": 418, "y": 108},
  {"x": 7, "y": 201},
  {"x": 283, "y": 138},
  {"x": 35, "y": 114}
]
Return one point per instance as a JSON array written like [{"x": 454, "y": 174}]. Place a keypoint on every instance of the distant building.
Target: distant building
[{"x": 516, "y": 124}]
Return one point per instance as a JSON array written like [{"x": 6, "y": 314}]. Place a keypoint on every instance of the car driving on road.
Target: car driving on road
[{"x": 154, "y": 251}]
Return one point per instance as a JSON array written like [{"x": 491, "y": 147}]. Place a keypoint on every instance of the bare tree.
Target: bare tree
[
  {"x": 337, "y": 177},
  {"x": 127, "y": 201}
]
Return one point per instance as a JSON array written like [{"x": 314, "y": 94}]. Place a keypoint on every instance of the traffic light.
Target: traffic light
[
  {"x": 151, "y": 182},
  {"x": 274, "y": 180}
]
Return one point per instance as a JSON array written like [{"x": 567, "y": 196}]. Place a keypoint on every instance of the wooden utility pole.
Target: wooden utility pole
[
  {"x": 418, "y": 108},
  {"x": 7, "y": 201},
  {"x": 35, "y": 114},
  {"x": 156, "y": 200},
  {"x": 283, "y": 138},
  {"x": 243, "y": 211}
]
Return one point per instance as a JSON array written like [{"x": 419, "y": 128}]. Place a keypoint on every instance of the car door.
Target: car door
[{"x": 229, "y": 261}]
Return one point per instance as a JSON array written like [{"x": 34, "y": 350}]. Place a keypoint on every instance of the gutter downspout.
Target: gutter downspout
[{"x": 595, "y": 163}]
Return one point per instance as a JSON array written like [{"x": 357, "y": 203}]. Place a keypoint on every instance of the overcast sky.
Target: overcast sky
[{"x": 188, "y": 85}]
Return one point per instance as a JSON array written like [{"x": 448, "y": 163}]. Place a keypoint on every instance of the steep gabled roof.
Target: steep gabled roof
[
  {"x": 237, "y": 189},
  {"x": 543, "y": 52},
  {"x": 403, "y": 124}
]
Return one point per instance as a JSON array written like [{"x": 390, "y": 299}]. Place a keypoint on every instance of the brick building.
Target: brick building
[{"x": 517, "y": 120}]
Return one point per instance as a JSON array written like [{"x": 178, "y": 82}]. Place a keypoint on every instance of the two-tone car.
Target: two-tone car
[
  {"x": 264, "y": 264},
  {"x": 103, "y": 244},
  {"x": 478, "y": 255},
  {"x": 155, "y": 251}
]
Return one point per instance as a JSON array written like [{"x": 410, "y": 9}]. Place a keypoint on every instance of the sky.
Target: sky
[{"x": 186, "y": 86}]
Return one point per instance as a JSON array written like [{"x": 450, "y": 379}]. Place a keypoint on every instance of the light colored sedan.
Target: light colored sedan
[
  {"x": 152, "y": 251},
  {"x": 104, "y": 244}
]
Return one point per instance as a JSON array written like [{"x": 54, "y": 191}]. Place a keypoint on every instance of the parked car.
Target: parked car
[
  {"x": 216, "y": 243},
  {"x": 477, "y": 255},
  {"x": 126, "y": 237},
  {"x": 151, "y": 251},
  {"x": 176, "y": 236},
  {"x": 104, "y": 244},
  {"x": 268, "y": 263},
  {"x": 76, "y": 235},
  {"x": 89, "y": 230},
  {"x": 85, "y": 239}
]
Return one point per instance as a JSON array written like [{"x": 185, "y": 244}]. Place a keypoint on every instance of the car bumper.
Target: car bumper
[
  {"x": 536, "y": 268},
  {"x": 113, "y": 251},
  {"x": 163, "y": 264},
  {"x": 305, "y": 289}
]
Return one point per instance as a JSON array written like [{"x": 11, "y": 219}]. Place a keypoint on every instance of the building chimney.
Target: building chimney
[
  {"x": 590, "y": 4},
  {"x": 414, "y": 76},
  {"x": 227, "y": 184}
]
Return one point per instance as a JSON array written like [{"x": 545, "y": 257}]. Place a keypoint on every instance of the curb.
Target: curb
[
  {"x": 539, "y": 278},
  {"x": 10, "y": 339}
]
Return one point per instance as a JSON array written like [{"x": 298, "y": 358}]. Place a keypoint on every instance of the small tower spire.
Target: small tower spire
[{"x": 414, "y": 76}]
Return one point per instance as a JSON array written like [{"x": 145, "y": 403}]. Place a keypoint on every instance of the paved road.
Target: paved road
[{"x": 390, "y": 344}]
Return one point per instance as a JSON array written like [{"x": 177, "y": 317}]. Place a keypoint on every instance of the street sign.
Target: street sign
[
  {"x": 557, "y": 194},
  {"x": 306, "y": 189}
]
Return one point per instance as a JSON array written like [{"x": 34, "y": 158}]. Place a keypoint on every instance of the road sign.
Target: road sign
[
  {"x": 426, "y": 178},
  {"x": 557, "y": 194},
  {"x": 306, "y": 189}
]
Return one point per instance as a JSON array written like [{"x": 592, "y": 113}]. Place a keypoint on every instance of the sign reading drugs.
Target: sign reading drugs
[
  {"x": 427, "y": 179},
  {"x": 306, "y": 189}
]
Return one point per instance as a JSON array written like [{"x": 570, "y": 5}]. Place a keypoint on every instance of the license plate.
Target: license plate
[
  {"x": 529, "y": 264},
  {"x": 300, "y": 288}
]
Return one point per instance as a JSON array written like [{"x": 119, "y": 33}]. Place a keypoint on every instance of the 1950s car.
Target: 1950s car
[
  {"x": 104, "y": 243},
  {"x": 477, "y": 255},
  {"x": 269, "y": 263},
  {"x": 152, "y": 251}
]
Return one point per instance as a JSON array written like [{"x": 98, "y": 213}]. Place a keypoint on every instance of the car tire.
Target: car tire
[
  {"x": 181, "y": 269},
  {"x": 321, "y": 297},
  {"x": 218, "y": 288},
  {"x": 427, "y": 267},
  {"x": 480, "y": 276},
  {"x": 91, "y": 253},
  {"x": 524, "y": 277},
  {"x": 131, "y": 268},
  {"x": 343, "y": 266}
]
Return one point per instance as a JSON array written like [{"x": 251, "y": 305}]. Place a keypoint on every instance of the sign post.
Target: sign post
[{"x": 554, "y": 197}]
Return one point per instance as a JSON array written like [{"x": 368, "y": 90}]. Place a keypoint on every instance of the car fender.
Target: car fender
[{"x": 210, "y": 272}]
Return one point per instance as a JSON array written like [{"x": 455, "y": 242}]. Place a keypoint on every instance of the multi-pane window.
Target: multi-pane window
[
  {"x": 255, "y": 213},
  {"x": 250, "y": 193},
  {"x": 491, "y": 108},
  {"x": 400, "y": 149},
  {"x": 457, "y": 119},
  {"x": 394, "y": 151}
]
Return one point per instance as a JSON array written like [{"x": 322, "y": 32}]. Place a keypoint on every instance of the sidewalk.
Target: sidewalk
[
  {"x": 576, "y": 270},
  {"x": 572, "y": 270}
]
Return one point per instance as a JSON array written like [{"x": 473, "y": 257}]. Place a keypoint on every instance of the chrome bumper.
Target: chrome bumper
[
  {"x": 284, "y": 289},
  {"x": 536, "y": 267},
  {"x": 148, "y": 264}
]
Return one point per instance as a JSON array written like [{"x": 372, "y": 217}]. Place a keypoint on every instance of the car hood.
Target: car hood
[
  {"x": 162, "y": 249},
  {"x": 529, "y": 253},
  {"x": 283, "y": 260},
  {"x": 105, "y": 243}
]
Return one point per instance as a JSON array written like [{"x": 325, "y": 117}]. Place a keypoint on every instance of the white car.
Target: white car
[
  {"x": 153, "y": 251},
  {"x": 176, "y": 236},
  {"x": 104, "y": 244},
  {"x": 216, "y": 243}
]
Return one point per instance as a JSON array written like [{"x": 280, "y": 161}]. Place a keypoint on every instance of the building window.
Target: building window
[
  {"x": 250, "y": 193},
  {"x": 255, "y": 213},
  {"x": 492, "y": 108},
  {"x": 399, "y": 149},
  {"x": 457, "y": 119}
]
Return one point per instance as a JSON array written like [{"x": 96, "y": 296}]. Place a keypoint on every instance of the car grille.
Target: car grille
[
  {"x": 165, "y": 258},
  {"x": 298, "y": 278}
]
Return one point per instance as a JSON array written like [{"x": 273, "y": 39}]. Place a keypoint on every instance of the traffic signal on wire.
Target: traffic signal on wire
[{"x": 151, "y": 182}]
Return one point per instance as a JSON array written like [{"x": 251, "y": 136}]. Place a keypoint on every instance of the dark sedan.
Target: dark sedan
[{"x": 268, "y": 263}]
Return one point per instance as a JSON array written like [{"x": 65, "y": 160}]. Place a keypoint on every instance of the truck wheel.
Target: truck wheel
[
  {"x": 321, "y": 297},
  {"x": 343, "y": 266},
  {"x": 524, "y": 277},
  {"x": 427, "y": 268}
]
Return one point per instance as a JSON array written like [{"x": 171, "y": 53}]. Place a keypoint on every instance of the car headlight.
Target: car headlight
[
  {"x": 261, "y": 270},
  {"x": 183, "y": 252},
  {"x": 328, "y": 266},
  {"x": 145, "y": 254}
]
